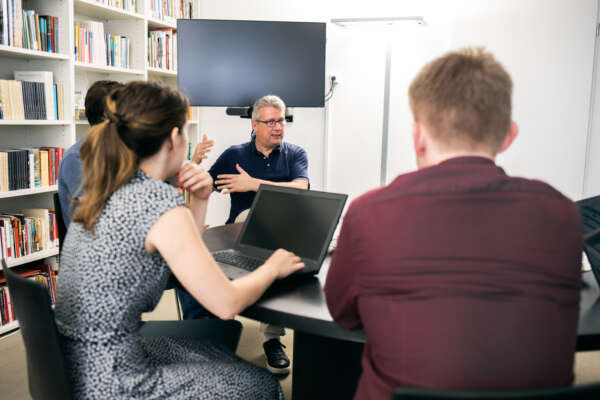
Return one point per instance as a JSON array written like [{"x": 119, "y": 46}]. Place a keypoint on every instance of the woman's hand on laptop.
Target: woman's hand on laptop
[
  {"x": 285, "y": 262},
  {"x": 196, "y": 179}
]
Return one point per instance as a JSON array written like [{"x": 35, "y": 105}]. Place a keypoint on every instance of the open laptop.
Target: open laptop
[
  {"x": 300, "y": 221},
  {"x": 590, "y": 214}
]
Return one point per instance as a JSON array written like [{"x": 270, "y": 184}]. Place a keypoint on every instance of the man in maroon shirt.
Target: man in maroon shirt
[{"x": 463, "y": 278}]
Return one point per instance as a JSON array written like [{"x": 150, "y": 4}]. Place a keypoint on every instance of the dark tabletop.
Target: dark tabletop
[{"x": 299, "y": 303}]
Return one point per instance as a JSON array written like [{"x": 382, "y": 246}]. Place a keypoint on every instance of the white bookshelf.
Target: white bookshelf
[
  {"x": 28, "y": 192},
  {"x": 11, "y": 326},
  {"x": 43, "y": 122},
  {"x": 37, "y": 133},
  {"x": 162, "y": 72},
  {"x": 97, "y": 10},
  {"x": 15, "y": 52},
  {"x": 105, "y": 69},
  {"x": 38, "y": 255},
  {"x": 154, "y": 23}
]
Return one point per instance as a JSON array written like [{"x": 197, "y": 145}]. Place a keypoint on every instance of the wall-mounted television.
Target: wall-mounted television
[{"x": 233, "y": 63}]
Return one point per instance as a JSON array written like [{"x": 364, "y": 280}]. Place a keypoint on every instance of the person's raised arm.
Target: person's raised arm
[
  {"x": 202, "y": 149},
  {"x": 194, "y": 178},
  {"x": 242, "y": 182}
]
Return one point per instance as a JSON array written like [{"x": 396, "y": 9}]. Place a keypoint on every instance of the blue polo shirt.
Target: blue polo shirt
[{"x": 285, "y": 163}]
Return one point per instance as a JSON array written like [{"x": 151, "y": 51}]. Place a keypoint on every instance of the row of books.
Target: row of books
[
  {"x": 26, "y": 28},
  {"x": 162, "y": 49},
  {"x": 32, "y": 95},
  {"x": 118, "y": 54},
  {"x": 7, "y": 312},
  {"x": 23, "y": 234},
  {"x": 166, "y": 9},
  {"x": 29, "y": 168},
  {"x": 93, "y": 46},
  {"x": 127, "y": 5},
  {"x": 44, "y": 274}
]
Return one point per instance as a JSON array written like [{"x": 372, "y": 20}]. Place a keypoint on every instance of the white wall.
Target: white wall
[
  {"x": 546, "y": 45},
  {"x": 592, "y": 170}
]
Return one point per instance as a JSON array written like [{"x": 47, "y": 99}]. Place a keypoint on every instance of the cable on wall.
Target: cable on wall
[{"x": 332, "y": 84}]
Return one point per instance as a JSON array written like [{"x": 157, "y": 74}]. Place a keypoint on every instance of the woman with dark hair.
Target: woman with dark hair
[{"x": 130, "y": 230}]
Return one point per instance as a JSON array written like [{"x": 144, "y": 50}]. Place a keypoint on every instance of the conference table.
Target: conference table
[{"x": 326, "y": 357}]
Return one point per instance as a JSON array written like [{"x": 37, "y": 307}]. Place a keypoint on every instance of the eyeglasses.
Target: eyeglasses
[{"x": 272, "y": 122}]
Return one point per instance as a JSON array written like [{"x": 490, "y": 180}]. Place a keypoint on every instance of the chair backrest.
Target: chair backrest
[
  {"x": 45, "y": 363},
  {"x": 586, "y": 392},
  {"x": 242, "y": 216},
  {"x": 60, "y": 222}
]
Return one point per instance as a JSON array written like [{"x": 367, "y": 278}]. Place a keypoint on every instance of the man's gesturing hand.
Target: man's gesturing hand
[
  {"x": 231, "y": 183},
  {"x": 201, "y": 149}
]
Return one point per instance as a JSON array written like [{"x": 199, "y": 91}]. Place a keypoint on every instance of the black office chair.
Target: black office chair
[
  {"x": 586, "y": 392},
  {"x": 45, "y": 363}
]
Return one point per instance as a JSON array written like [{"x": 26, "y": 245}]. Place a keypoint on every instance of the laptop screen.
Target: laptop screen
[
  {"x": 301, "y": 221},
  {"x": 590, "y": 214}
]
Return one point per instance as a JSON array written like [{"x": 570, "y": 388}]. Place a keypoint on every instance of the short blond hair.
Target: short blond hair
[{"x": 464, "y": 99}]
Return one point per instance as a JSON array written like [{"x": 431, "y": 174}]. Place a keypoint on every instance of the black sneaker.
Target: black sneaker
[{"x": 277, "y": 361}]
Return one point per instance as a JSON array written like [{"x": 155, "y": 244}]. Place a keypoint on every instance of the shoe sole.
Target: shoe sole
[{"x": 278, "y": 371}]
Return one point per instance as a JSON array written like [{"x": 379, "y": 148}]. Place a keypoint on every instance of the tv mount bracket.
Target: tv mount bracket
[
  {"x": 246, "y": 112},
  {"x": 243, "y": 112}
]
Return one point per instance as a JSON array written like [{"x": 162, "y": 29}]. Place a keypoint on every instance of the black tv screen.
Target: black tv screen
[{"x": 233, "y": 63}]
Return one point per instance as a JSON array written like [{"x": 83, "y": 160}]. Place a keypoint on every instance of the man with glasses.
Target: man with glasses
[
  {"x": 265, "y": 159},
  {"x": 239, "y": 171}
]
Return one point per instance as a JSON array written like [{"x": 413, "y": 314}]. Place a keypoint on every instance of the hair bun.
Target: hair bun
[{"x": 117, "y": 119}]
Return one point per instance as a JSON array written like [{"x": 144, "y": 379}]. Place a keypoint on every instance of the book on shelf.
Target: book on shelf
[
  {"x": 29, "y": 168},
  {"x": 12, "y": 23},
  {"x": 26, "y": 233},
  {"x": 173, "y": 9},
  {"x": 47, "y": 95},
  {"x": 127, "y": 5},
  {"x": 192, "y": 114},
  {"x": 3, "y": 22},
  {"x": 93, "y": 46},
  {"x": 31, "y": 96},
  {"x": 162, "y": 49},
  {"x": 41, "y": 216},
  {"x": 90, "y": 46},
  {"x": 42, "y": 272},
  {"x": 118, "y": 53},
  {"x": 26, "y": 28},
  {"x": 7, "y": 312}
]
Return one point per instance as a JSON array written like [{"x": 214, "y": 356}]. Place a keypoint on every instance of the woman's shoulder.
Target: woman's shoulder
[{"x": 144, "y": 191}]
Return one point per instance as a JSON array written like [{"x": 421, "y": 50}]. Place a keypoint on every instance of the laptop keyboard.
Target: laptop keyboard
[{"x": 236, "y": 259}]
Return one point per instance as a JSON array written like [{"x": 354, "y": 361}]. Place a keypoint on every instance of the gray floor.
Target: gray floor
[{"x": 13, "y": 368}]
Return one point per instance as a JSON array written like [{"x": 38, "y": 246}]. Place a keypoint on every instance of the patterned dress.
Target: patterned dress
[{"x": 107, "y": 281}]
